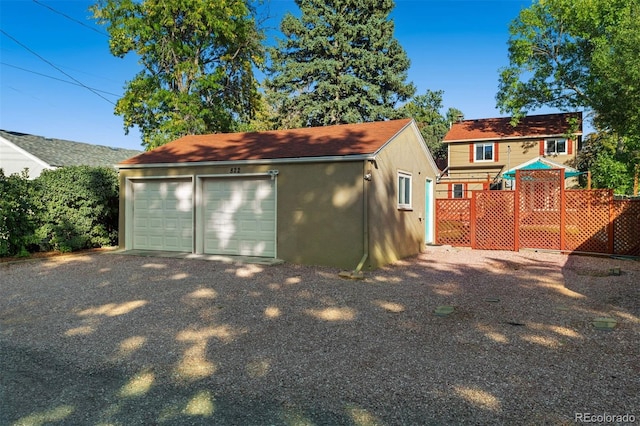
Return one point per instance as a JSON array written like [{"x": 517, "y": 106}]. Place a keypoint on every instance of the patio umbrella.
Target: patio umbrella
[{"x": 539, "y": 165}]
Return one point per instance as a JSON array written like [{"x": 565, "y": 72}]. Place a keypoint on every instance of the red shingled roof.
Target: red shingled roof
[
  {"x": 501, "y": 128},
  {"x": 340, "y": 140}
]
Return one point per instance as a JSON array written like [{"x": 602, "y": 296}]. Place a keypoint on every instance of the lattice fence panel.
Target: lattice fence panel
[
  {"x": 626, "y": 227},
  {"x": 587, "y": 220},
  {"x": 494, "y": 220},
  {"x": 539, "y": 204},
  {"x": 453, "y": 222}
]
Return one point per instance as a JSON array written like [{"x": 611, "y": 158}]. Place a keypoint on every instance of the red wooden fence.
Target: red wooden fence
[{"x": 541, "y": 214}]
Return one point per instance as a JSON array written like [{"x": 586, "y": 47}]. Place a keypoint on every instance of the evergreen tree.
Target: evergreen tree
[{"x": 338, "y": 63}]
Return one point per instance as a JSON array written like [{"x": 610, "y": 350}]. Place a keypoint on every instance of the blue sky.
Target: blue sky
[{"x": 456, "y": 46}]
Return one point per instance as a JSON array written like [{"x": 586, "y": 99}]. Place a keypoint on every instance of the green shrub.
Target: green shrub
[
  {"x": 79, "y": 207},
  {"x": 18, "y": 215}
]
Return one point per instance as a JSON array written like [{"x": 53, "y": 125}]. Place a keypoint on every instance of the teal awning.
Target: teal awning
[{"x": 539, "y": 165}]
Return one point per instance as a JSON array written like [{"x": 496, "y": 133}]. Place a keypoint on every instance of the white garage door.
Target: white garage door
[
  {"x": 240, "y": 216},
  {"x": 163, "y": 215}
]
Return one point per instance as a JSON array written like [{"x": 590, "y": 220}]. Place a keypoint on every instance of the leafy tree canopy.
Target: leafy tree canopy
[
  {"x": 338, "y": 63},
  {"x": 611, "y": 165},
  {"x": 425, "y": 110},
  {"x": 572, "y": 54},
  {"x": 197, "y": 58}
]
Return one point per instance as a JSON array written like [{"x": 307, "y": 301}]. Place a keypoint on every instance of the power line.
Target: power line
[
  {"x": 52, "y": 65},
  {"x": 55, "y": 78},
  {"x": 71, "y": 18}
]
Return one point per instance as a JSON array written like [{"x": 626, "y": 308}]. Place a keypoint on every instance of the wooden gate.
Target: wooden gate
[
  {"x": 541, "y": 214},
  {"x": 495, "y": 218}
]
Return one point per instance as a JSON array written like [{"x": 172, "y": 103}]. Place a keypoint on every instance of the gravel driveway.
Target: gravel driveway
[{"x": 113, "y": 339}]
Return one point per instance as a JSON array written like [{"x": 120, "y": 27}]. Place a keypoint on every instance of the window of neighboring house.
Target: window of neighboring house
[
  {"x": 404, "y": 190},
  {"x": 555, "y": 146},
  {"x": 457, "y": 191},
  {"x": 484, "y": 152}
]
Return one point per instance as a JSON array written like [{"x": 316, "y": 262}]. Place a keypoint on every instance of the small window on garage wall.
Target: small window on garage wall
[{"x": 404, "y": 190}]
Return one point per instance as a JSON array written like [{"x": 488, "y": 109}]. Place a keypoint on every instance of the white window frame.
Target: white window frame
[
  {"x": 555, "y": 151},
  {"x": 453, "y": 190},
  {"x": 404, "y": 187},
  {"x": 483, "y": 145}
]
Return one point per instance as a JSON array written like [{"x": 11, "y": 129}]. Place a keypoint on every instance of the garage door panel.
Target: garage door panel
[
  {"x": 155, "y": 223},
  {"x": 139, "y": 223},
  {"x": 171, "y": 242},
  {"x": 171, "y": 205},
  {"x": 162, "y": 215},
  {"x": 248, "y": 226},
  {"x": 142, "y": 203},
  {"x": 154, "y": 241},
  {"x": 249, "y": 248},
  {"x": 240, "y": 216}
]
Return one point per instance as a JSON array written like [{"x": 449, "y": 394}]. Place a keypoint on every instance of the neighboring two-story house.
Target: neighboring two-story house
[{"x": 485, "y": 153}]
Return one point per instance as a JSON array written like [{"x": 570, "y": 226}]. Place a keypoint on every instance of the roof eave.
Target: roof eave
[
  {"x": 325, "y": 159},
  {"x": 395, "y": 135}
]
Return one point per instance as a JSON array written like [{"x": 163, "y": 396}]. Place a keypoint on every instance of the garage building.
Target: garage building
[{"x": 350, "y": 196}]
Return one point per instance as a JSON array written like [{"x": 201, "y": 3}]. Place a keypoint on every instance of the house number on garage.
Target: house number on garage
[{"x": 234, "y": 170}]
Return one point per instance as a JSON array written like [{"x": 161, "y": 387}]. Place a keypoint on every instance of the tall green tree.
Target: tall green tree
[
  {"x": 197, "y": 60},
  {"x": 548, "y": 65},
  {"x": 338, "y": 63},
  {"x": 425, "y": 110},
  {"x": 614, "y": 83},
  {"x": 574, "y": 54}
]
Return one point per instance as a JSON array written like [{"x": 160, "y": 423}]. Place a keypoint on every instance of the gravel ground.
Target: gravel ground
[{"x": 113, "y": 339}]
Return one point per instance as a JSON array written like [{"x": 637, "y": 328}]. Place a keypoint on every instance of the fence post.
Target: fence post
[
  {"x": 436, "y": 215},
  {"x": 472, "y": 219},
  {"x": 516, "y": 213},
  {"x": 610, "y": 227},
  {"x": 563, "y": 214}
]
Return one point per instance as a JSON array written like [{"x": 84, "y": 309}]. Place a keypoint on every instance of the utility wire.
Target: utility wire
[
  {"x": 52, "y": 65},
  {"x": 71, "y": 18},
  {"x": 54, "y": 78}
]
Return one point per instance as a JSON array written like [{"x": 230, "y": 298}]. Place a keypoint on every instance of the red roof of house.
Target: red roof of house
[
  {"x": 501, "y": 128},
  {"x": 339, "y": 140}
]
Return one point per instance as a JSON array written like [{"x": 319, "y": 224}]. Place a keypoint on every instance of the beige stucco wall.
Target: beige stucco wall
[
  {"x": 394, "y": 233},
  {"x": 320, "y": 213},
  {"x": 319, "y": 208}
]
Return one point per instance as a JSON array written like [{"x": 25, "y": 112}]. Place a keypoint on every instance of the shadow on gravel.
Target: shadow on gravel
[
  {"x": 54, "y": 391},
  {"x": 112, "y": 339}
]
